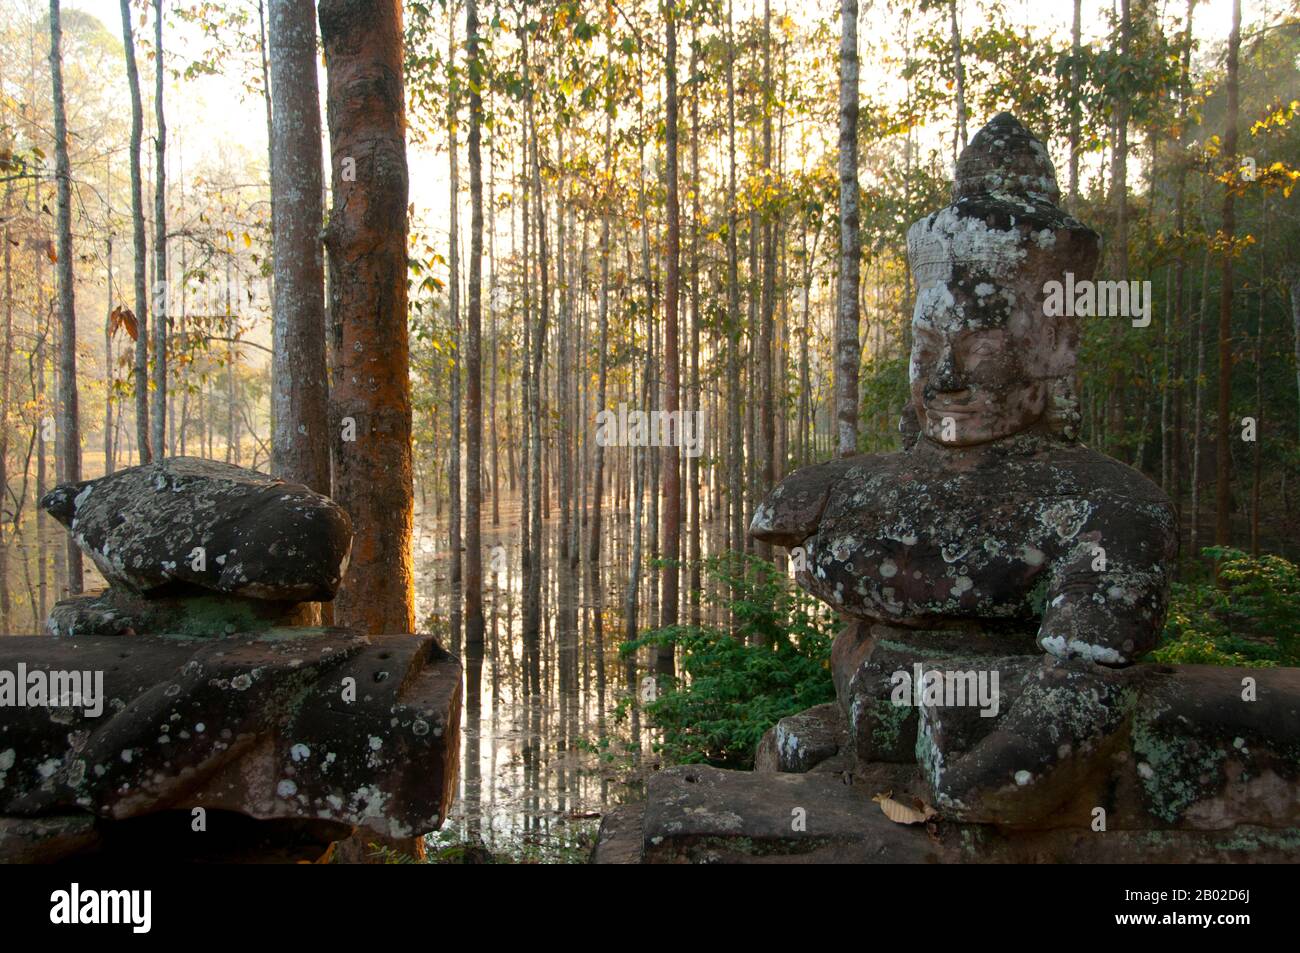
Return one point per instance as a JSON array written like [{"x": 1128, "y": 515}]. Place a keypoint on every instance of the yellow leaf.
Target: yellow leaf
[
  {"x": 900, "y": 813},
  {"x": 248, "y": 241}
]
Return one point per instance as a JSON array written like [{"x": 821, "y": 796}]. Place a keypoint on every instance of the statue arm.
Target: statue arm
[
  {"x": 1108, "y": 594},
  {"x": 790, "y": 513}
]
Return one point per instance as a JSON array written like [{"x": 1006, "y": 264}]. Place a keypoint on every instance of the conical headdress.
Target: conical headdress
[{"x": 1004, "y": 226}]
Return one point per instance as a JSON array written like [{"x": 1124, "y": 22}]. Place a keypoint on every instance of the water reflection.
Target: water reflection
[{"x": 537, "y": 771}]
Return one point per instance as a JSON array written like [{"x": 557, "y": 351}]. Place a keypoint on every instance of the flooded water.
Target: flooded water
[{"x": 538, "y": 772}]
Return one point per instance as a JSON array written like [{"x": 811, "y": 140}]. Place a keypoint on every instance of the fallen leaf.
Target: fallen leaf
[{"x": 900, "y": 813}]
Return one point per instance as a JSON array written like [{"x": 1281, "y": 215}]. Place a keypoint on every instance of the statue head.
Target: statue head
[{"x": 986, "y": 361}]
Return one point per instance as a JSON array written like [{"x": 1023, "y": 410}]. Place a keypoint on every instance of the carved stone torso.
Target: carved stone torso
[{"x": 1013, "y": 531}]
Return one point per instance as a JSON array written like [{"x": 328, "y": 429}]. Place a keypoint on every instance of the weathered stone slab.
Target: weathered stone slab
[
  {"x": 1150, "y": 747},
  {"x": 287, "y": 724},
  {"x": 259, "y": 537},
  {"x": 1212, "y": 746},
  {"x": 620, "y": 837},
  {"x": 44, "y": 840},
  {"x": 1042, "y": 754},
  {"x": 699, "y": 814},
  {"x": 707, "y": 815},
  {"x": 117, "y": 612},
  {"x": 802, "y": 742}
]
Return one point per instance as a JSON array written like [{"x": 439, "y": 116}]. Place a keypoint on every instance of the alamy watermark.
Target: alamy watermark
[
  {"x": 235, "y": 295},
  {"x": 133, "y": 908},
  {"x": 1098, "y": 299},
  {"x": 940, "y": 689},
  {"x": 53, "y": 688},
  {"x": 655, "y": 428}
]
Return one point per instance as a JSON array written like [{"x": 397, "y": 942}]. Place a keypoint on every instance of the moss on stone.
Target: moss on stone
[
  {"x": 888, "y": 722},
  {"x": 1181, "y": 771}
]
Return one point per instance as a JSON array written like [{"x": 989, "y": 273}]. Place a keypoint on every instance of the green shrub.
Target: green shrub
[
  {"x": 1253, "y": 619},
  {"x": 734, "y": 685}
]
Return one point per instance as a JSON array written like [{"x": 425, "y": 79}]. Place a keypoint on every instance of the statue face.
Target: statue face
[{"x": 979, "y": 355}]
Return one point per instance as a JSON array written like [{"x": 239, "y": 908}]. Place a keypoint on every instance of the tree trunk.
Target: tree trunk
[
  {"x": 959, "y": 71},
  {"x": 1076, "y": 90},
  {"x": 672, "y": 461},
  {"x": 6, "y": 363},
  {"x": 1293, "y": 285},
  {"x": 42, "y": 559},
  {"x": 848, "y": 352},
  {"x": 141, "y": 369},
  {"x": 474, "y": 624},
  {"x": 262, "y": 47},
  {"x": 366, "y": 243},
  {"x": 1198, "y": 403},
  {"x": 230, "y": 371},
  {"x": 597, "y": 594},
  {"x": 527, "y": 501},
  {"x": 1258, "y": 449},
  {"x": 1175, "y": 437},
  {"x": 108, "y": 361},
  {"x": 69, "y": 426},
  {"x": 454, "y": 538},
  {"x": 300, "y": 385},
  {"x": 736, "y": 461},
  {"x": 694, "y": 405},
  {"x": 1223, "y": 455},
  {"x": 494, "y": 333},
  {"x": 1119, "y": 198},
  {"x": 533, "y": 593},
  {"x": 766, "y": 433},
  {"x": 160, "y": 295}
]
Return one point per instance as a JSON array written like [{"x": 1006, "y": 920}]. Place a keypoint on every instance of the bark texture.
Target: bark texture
[{"x": 366, "y": 244}]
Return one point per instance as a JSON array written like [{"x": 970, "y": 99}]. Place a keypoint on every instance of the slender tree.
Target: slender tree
[
  {"x": 848, "y": 352},
  {"x": 694, "y": 557},
  {"x": 160, "y": 290},
  {"x": 959, "y": 85},
  {"x": 766, "y": 434},
  {"x": 672, "y": 474},
  {"x": 474, "y": 624},
  {"x": 1223, "y": 452},
  {"x": 455, "y": 512},
  {"x": 108, "y": 357},
  {"x": 1075, "y": 92},
  {"x": 143, "y": 440},
  {"x": 597, "y": 594},
  {"x": 6, "y": 363},
  {"x": 736, "y": 456},
  {"x": 370, "y": 397},
  {"x": 69, "y": 425},
  {"x": 300, "y": 386},
  {"x": 533, "y": 584}
]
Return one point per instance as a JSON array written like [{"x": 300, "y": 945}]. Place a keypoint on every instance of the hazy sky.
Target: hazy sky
[{"x": 212, "y": 114}]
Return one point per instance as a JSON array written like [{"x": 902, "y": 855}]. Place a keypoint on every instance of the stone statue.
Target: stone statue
[
  {"x": 995, "y": 546},
  {"x": 1001, "y": 583},
  {"x": 995, "y": 518},
  {"x": 190, "y": 697}
]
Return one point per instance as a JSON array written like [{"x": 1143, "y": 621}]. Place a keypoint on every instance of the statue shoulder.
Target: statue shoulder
[
  {"x": 1125, "y": 505},
  {"x": 1095, "y": 469},
  {"x": 790, "y": 513}
]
